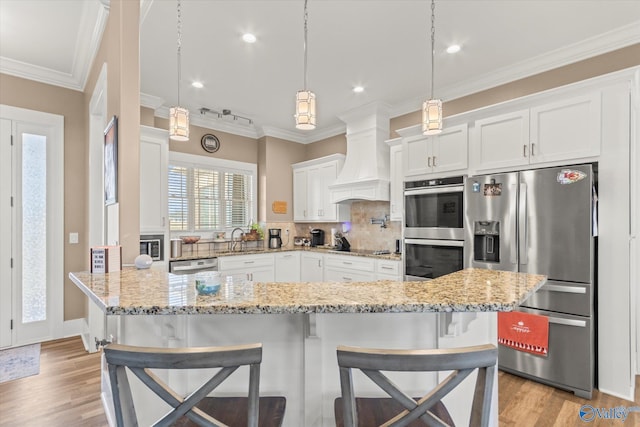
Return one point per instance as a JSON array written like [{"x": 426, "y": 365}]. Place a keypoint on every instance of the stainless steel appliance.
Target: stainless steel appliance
[
  {"x": 275, "y": 241},
  {"x": 152, "y": 245},
  {"x": 193, "y": 266},
  {"x": 430, "y": 258},
  {"x": 434, "y": 208},
  {"x": 542, "y": 221},
  {"x": 433, "y": 227},
  {"x": 317, "y": 237}
]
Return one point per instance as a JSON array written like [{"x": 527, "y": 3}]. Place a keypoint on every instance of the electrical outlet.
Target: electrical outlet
[{"x": 286, "y": 231}]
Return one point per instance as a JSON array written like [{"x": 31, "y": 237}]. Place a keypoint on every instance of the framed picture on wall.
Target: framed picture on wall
[{"x": 111, "y": 162}]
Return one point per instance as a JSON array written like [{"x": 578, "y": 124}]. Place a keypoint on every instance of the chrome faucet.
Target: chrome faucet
[
  {"x": 382, "y": 221},
  {"x": 233, "y": 241}
]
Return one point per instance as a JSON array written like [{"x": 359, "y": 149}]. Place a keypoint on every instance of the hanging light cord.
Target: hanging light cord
[
  {"x": 433, "y": 39},
  {"x": 179, "y": 49},
  {"x": 305, "y": 44}
]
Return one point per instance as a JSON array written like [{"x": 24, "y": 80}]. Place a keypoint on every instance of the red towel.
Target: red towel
[{"x": 524, "y": 332}]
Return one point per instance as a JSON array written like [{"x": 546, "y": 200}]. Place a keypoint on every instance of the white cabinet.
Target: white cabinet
[
  {"x": 568, "y": 129},
  {"x": 311, "y": 180},
  {"x": 445, "y": 152},
  {"x": 154, "y": 163},
  {"x": 348, "y": 268},
  {"x": 396, "y": 177},
  {"x": 388, "y": 269},
  {"x": 259, "y": 267},
  {"x": 311, "y": 267},
  {"x": 287, "y": 266}
]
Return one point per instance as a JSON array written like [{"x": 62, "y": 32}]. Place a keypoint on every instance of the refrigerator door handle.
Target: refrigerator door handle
[
  {"x": 513, "y": 259},
  {"x": 568, "y": 322},
  {"x": 523, "y": 226}
]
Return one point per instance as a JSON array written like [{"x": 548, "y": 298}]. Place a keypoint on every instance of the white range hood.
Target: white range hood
[{"x": 365, "y": 174}]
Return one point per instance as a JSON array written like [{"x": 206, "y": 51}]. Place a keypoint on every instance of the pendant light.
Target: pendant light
[
  {"x": 305, "y": 99},
  {"x": 179, "y": 116},
  {"x": 432, "y": 108}
]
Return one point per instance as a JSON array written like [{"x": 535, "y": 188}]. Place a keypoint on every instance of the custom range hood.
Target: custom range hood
[{"x": 365, "y": 174}]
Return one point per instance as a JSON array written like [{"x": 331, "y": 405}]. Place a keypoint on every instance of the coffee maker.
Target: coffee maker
[
  {"x": 317, "y": 237},
  {"x": 275, "y": 242}
]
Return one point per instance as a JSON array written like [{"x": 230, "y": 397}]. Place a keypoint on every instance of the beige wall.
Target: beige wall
[
  {"x": 147, "y": 116},
  {"x": 70, "y": 104},
  {"x": 279, "y": 155},
  {"x": 232, "y": 147},
  {"x": 332, "y": 145}
]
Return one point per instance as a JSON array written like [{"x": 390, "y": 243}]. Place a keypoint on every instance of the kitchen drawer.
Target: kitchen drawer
[
  {"x": 347, "y": 275},
  {"x": 388, "y": 267},
  {"x": 245, "y": 261},
  {"x": 565, "y": 297},
  {"x": 350, "y": 262},
  {"x": 569, "y": 363}
]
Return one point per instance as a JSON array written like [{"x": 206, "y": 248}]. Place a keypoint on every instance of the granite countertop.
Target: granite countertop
[
  {"x": 200, "y": 254},
  {"x": 156, "y": 292}
]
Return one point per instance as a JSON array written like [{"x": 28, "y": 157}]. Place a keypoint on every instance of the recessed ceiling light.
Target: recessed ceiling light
[
  {"x": 249, "y": 38},
  {"x": 197, "y": 85},
  {"x": 453, "y": 48},
  {"x": 358, "y": 89}
]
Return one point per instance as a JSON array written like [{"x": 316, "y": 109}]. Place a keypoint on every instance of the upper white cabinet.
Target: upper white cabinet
[
  {"x": 154, "y": 163},
  {"x": 311, "y": 180},
  {"x": 445, "y": 152},
  {"x": 568, "y": 129},
  {"x": 396, "y": 178}
]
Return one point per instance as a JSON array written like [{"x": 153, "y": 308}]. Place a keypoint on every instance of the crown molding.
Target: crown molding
[
  {"x": 151, "y": 101},
  {"x": 585, "y": 49}
]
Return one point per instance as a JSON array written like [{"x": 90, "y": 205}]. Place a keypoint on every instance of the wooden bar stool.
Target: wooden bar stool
[
  {"x": 401, "y": 409},
  {"x": 252, "y": 411}
]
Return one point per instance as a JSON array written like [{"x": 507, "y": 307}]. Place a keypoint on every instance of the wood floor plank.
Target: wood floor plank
[{"x": 67, "y": 393}]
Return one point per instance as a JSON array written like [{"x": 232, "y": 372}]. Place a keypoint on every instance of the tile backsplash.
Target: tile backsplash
[{"x": 362, "y": 234}]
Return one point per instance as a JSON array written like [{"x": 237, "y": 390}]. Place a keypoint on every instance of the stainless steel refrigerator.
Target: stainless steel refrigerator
[{"x": 542, "y": 221}]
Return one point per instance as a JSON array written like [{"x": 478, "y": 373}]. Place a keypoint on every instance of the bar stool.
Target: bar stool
[
  {"x": 251, "y": 411},
  {"x": 403, "y": 410}
]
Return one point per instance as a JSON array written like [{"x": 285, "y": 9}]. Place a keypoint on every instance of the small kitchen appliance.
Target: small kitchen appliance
[
  {"x": 275, "y": 241},
  {"x": 342, "y": 244},
  {"x": 317, "y": 237}
]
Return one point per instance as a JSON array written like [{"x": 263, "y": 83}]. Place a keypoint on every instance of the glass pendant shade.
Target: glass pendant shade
[
  {"x": 432, "y": 117},
  {"x": 305, "y": 110},
  {"x": 178, "y": 124}
]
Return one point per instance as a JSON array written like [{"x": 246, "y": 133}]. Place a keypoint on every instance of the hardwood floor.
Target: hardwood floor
[{"x": 67, "y": 393}]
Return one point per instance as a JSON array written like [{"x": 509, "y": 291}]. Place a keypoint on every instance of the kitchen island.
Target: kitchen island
[{"x": 300, "y": 325}]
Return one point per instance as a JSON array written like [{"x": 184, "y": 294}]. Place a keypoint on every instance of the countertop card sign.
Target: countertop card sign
[{"x": 105, "y": 259}]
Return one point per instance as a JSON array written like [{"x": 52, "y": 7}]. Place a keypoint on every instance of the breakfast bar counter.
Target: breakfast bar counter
[
  {"x": 300, "y": 325},
  {"x": 155, "y": 292}
]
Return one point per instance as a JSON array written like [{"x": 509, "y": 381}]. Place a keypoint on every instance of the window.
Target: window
[{"x": 210, "y": 194}]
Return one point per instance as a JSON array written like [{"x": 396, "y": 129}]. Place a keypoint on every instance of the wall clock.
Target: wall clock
[{"x": 210, "y": 143}]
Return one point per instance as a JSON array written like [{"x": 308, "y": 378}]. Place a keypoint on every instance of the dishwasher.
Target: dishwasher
[{"x": 193, "y": 266}]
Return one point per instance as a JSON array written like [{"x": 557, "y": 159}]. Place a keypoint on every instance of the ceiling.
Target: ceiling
[{"x": 383, "y": 46}]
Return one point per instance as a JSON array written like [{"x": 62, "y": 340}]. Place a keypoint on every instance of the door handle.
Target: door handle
[
  {"x": 568, "y": 322},
  {"x": 524, "y": 150},
  {"x": 523, "y": 226},
  {"x": 429, "y": 161},
  {"x": 434, "y": 161},
  {"x": 565, "y": 289}
]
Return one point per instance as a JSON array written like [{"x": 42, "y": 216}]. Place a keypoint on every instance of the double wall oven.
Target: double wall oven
[{"x": 433, "y": 227}]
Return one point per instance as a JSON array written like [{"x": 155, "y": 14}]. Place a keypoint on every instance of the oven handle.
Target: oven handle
[
  {"x": 435, "y": 190},
  {"x": 452, "y": 243}
]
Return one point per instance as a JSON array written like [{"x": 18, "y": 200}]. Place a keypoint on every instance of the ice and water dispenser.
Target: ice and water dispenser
[{"x": 486, "y": 241}]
